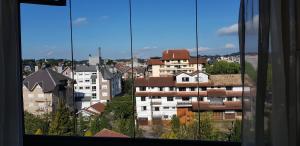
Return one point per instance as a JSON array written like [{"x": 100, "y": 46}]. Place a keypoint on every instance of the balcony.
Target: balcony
[{"x": 184, "y": 103}]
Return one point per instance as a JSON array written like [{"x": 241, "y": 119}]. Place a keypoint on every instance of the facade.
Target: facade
[
  {"x": 126, "y": 71},
  {"x": 95, "y": 84},
  {"x": 43, "y": 89},
  {"x": 162, "y": 97},
  {"x": 174, "y": 61}
]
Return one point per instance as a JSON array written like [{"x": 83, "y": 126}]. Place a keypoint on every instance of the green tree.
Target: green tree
[
  {"x": 88, "y": 133},
  {"x": 175, "y": 124},
  {"x": 63, "y": 121},
  {"x": 33, "y": 123},
  {"x": 223, "y": 67},
  {"x": 82, "y": 125},
  {"x": 235, "y": 131},
  {"x": 98, "y": 123},
  {"x": 39, "y": 132}
]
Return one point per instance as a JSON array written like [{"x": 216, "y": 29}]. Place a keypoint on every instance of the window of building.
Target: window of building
[
  {"x": 166, "y": 107},
  {"x": 203, "y": 88},
  {"x": 193, "y": 88},
  {"x": 170, "y": 99},
  {"x": 156, "y": 97},
  {"x": 156, "y": 108},
  {"x": 182, "y": 89},
  {"x": 229, "y": 98},
  {"x": 229, "y": 87},
  {"x": 144, "y": 108},
  {"x": 87, "y": 87},
  {"x": 93, "y": 88},
  {"x": 142, "y": 88},
  {"x": 93, "y": 81},
  {"x": 80, "y": 87},
  {"x": 166, "y": 116},
  {"x": 87, "y": 81},
  {"x": 143, "y": 98},
  {"x": 161, "y": 89},
  {"x": 185, "y": 98},
  {"x": 171, "y": 88},
  {"x": 185, "y": 79},
  {"x": 94, "y": 95}
]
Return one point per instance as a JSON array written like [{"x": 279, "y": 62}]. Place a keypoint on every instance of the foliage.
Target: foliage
[
  {"x": 98, "y": 123},
  {"x": 82, "y": 125},
  {"x": 33, "y": 123},
  {"x": 175, "y": 124},
  {"x": 235, "y": 131},
  {"x": 170, "y": 135},
  {"x": 223, "y": 67},
  {"x": 62, "y": 123},
  {"x": 88, "y": 133},
  {"x": 120, "y": 108},
  {"x": 127, "y": 86},
  {"x": 39, "y": 132}
]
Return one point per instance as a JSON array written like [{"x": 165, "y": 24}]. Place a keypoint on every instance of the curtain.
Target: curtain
[
  {"x": 269, "y": 44},
  {"x": 11, "y": 119}
]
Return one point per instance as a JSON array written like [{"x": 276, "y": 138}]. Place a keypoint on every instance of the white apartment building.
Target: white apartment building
[
  {"x": 95, "y": 84},
  {"x": 163, "y": 97},
  {"x": 174, "y": 61}
]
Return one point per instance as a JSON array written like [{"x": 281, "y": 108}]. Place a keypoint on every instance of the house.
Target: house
[
  {"x": 126, "y": 71},
  {"x": 109, "y": 133},
  {"x": 93, "y": 110},
  {"x": 42, "y": 90},
  {"x": 95, "y": 84},
  {"x": 174, "y": 61},
  {"x": 159, "y": 98}
]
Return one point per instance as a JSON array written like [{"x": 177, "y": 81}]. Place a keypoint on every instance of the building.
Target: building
[
  {"x": 42, "y": 90},
  {"x": 109, "y": 133},
  {"x": 126, "y": 71},
  {"x": 93, "y": 110},
  {"x": 162, "y": 97},
  {"x": 95, "y": 84},
  {"x": 174, "y": 61}
]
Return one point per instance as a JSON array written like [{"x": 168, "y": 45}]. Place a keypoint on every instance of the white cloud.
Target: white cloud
[
  {"x": 229, "y": 30},
  {"x": 230, "y": 46},
  {"x": 80, "y": 20},
  {"x": 251, "y": 27},
  {"x": 200, "y": 49},
  {"x": 104, "y": 17}
]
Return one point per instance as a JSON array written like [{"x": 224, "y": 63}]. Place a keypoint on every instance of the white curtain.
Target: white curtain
[
  {"x": 11, "y": 118},
  {"x": 270, "y": 46}
]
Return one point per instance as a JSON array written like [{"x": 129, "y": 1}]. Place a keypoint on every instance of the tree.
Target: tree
[
  {"x": 98, "y": 123},
  {"x": 82, "y": 125},
  {"x": 88, "y": 133},
  {"x": 235, "y": 131},
  {"x": 33, "y": 123},
  {"x": 175, "y": 124},
  {"x": 223, "y": 67},
  {"x": 39, "y": 132},
  {"x": 127, "y": 86},
  {"x": 62, "y": 122}
]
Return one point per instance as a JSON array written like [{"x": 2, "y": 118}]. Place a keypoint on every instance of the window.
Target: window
[
  {"x": 87, "y": 81},
  {"x": 144, "y": 108},
  {"x": 229, "y": 98},
  {"x": 104, "y": 93},
  {"x": 87, "y": 87},
  {"x": 94, "y": 95},
  {"x": 185, "y": 98},
  {"x": 170, "y": 99},
  {"x": 185, "y": 79},
  {"x": 166, "y": 107},
  {"x": 193, "y": 88},
  {"x": 161, "y": 89},
  {"x": 166, "y": 116},
  {"x": 228, "y": 87},
  {"x": 171, "y": 88},
  {"x": 156, "y": 97},
  {"x": 203, "y": 88},
  {"x": 182, "y": 89},
  {"x": 156, "y": 108},
  {"x": 81, "y": 88},
  {"x": 93, "y": 81},
  {"x": 93, "y": 88},
  {"x": 142, "y": 88},
  {"x": 143, "y": 98}
]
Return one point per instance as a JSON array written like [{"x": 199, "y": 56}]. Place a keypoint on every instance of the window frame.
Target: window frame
[{"x": 29, "y": 140}]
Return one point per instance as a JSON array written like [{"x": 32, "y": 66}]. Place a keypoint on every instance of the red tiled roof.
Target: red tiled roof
[
  {"x": 205, "y": 106},
  {"x": 155, "y": 62},
  {"x": 155, "y": 82},
  {"x": 176, "y": 54},
  {"x": 99, "y": 107},
  {"x": 109, "y": 133},
  {"x": 200, "y": 61}
]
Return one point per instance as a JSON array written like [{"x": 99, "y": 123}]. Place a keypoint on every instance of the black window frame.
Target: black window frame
[
  {"x": 168, "y": 98},
  {"x": 143, "y": 98},
  {"x": 29, "y": 140}
]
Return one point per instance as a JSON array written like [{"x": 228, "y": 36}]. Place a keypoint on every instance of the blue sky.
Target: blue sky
[{"x": 157, "y": 25}]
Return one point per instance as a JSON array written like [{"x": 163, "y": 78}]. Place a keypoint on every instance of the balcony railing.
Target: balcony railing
[{"x": 184, "y": 103}]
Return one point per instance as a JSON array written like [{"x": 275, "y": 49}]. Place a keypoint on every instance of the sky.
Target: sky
[{"x": 157, "y": 25}]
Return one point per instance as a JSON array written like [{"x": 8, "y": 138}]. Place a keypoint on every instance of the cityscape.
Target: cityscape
[{"x": 165, "y": 98}]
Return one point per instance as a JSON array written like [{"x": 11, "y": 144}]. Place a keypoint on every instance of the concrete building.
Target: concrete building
[
  {"x": 95, "y": 84},
  {"x": 174, "y": 61},
  {"x": 42, "y": 90},
  {"x": 162, "y": 97}
]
